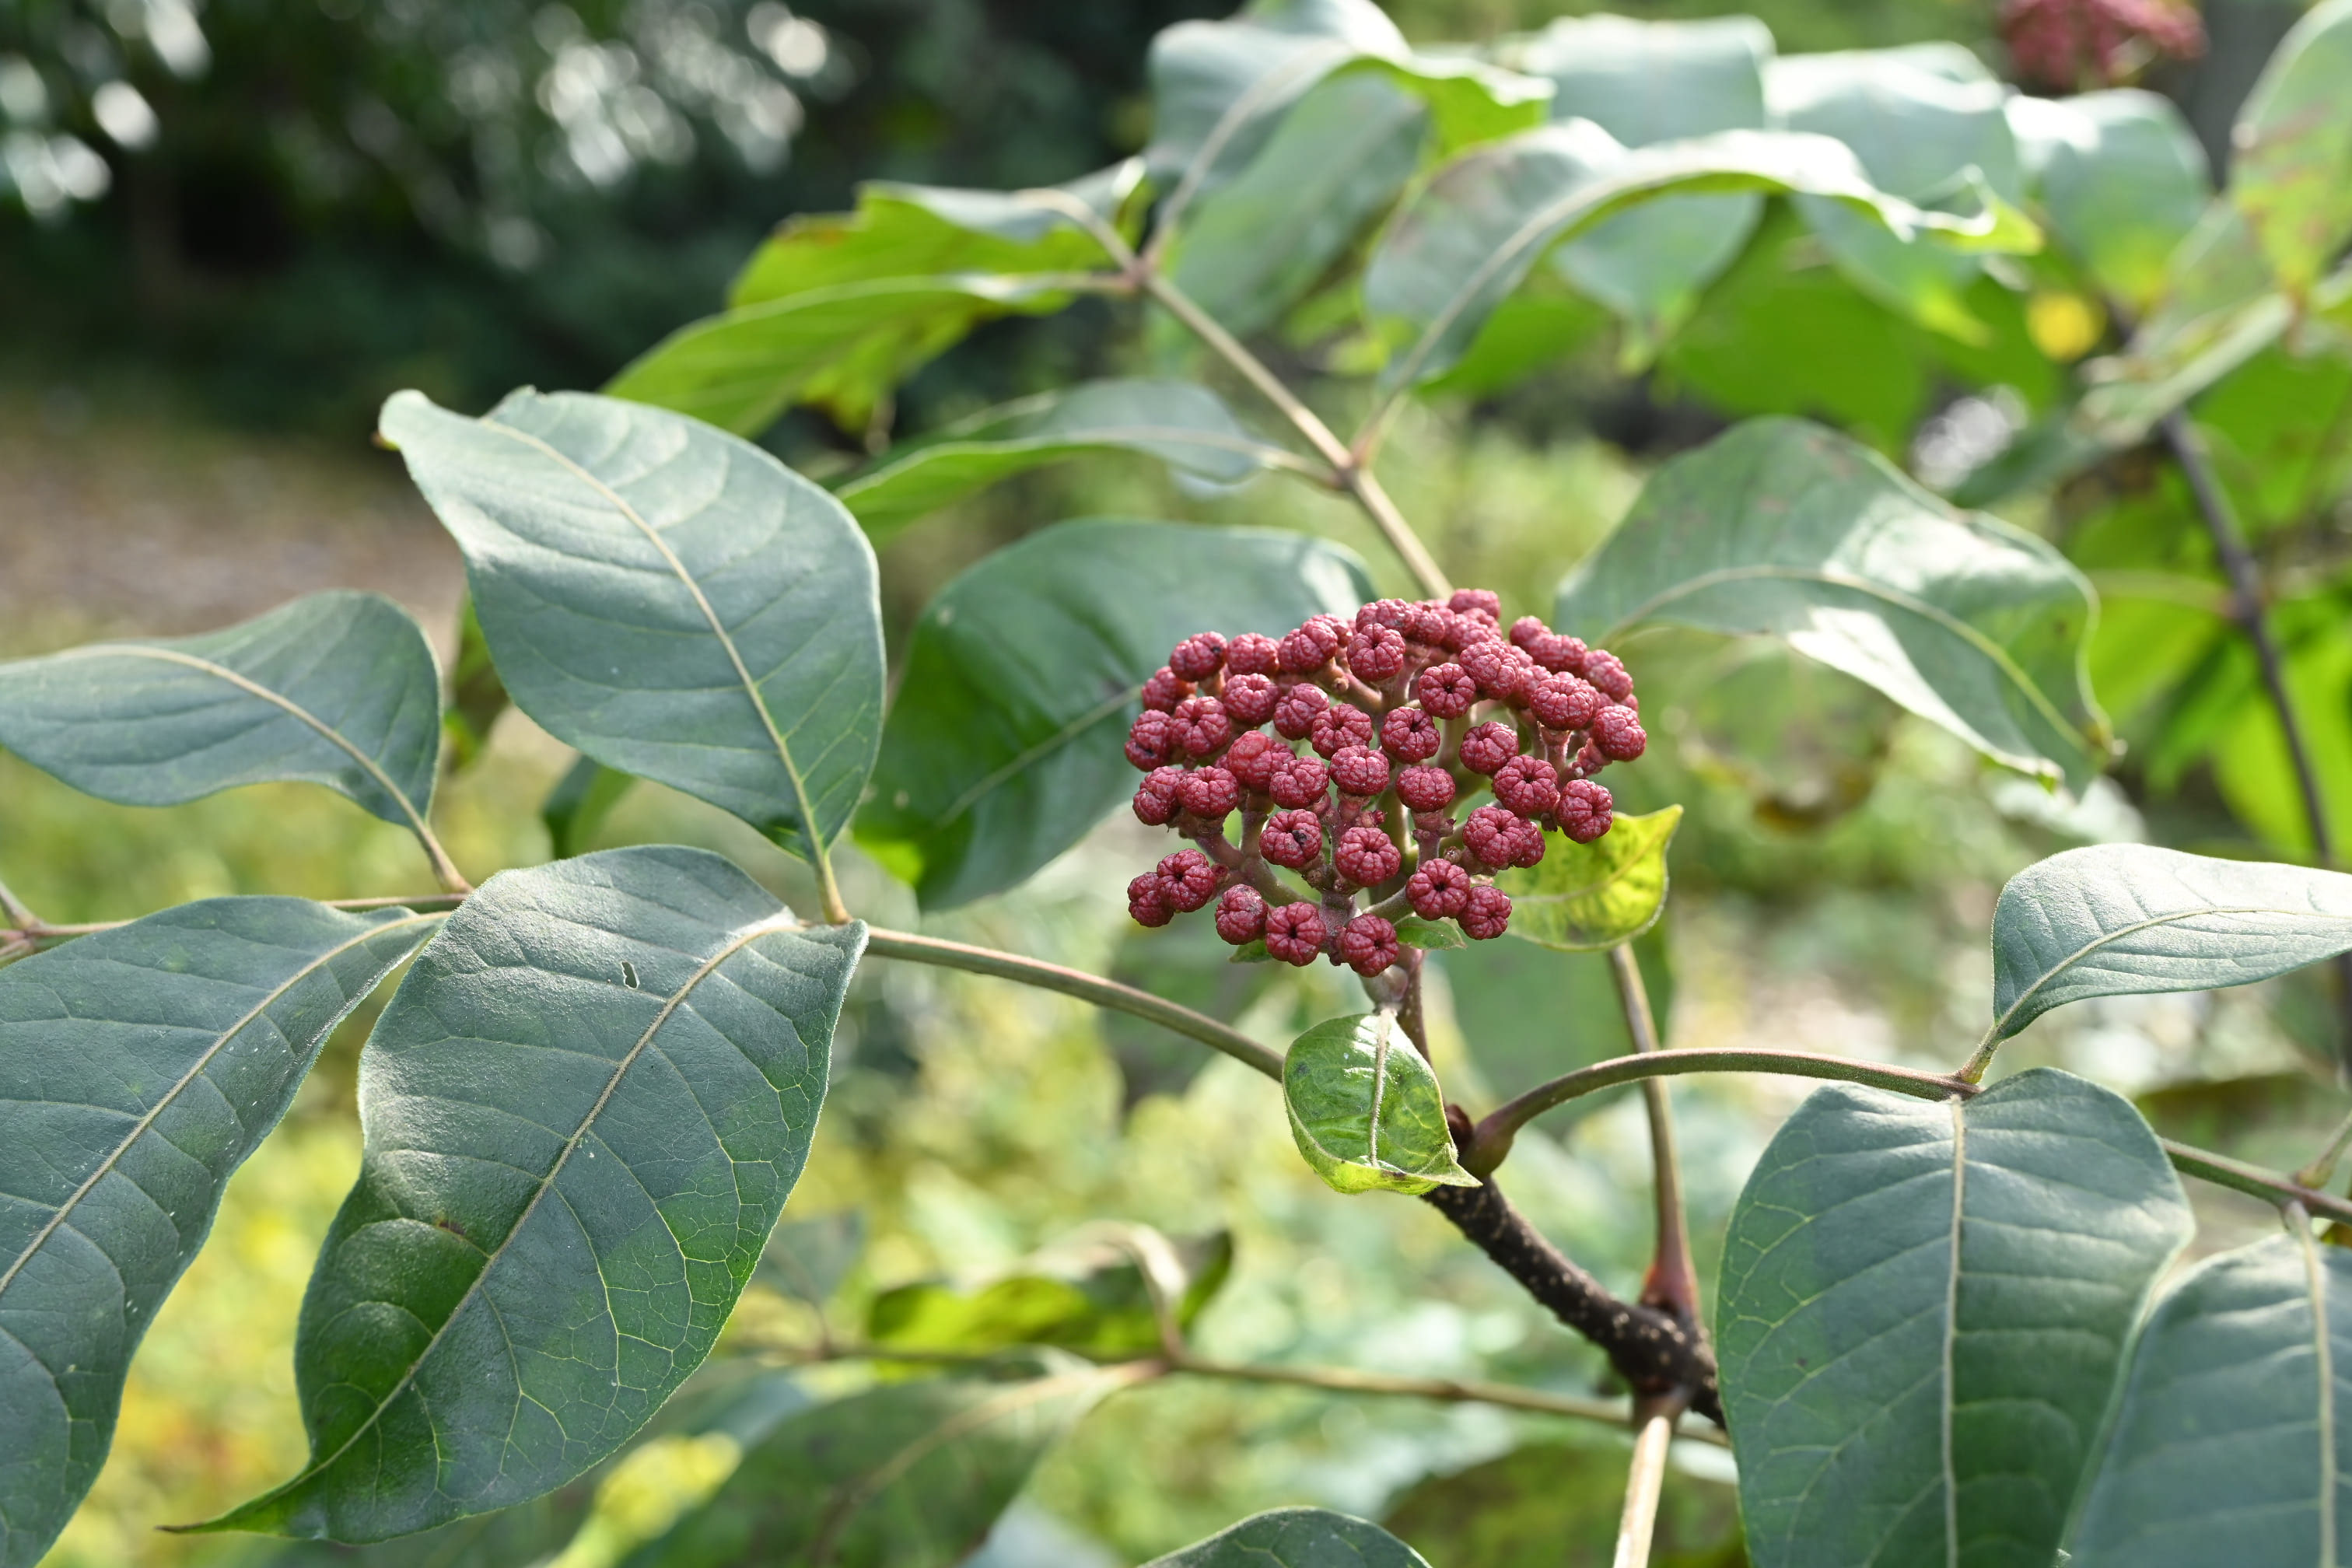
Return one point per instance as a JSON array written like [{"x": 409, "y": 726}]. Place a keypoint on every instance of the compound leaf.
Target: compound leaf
[
  {"x": 1189, "y": 428},
  {"x": 671, "y": 600},
  {"x": 1296, "y": 1538},
  {"x": 337, "y": 689},
  {"x": 584, "y": 1109},
  {"x": 1783, "y": 527},
  {"x": 2225, "y": 1448},
  {"x": 2122, "y": 919},
  {"x": 1585, "y": 897},
  {"x": 1924, "y": 1309},
  {"x": 1005, "y": 745},
  {"x": 139, "y": 1068},
  {"x": 1366, "y": 1110}
]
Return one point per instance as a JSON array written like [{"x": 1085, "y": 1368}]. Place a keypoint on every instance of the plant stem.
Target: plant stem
[
  {"x": 828, "y": 890},
  {"x": 2247, "y": 600},
  {"x": 2323, "y": 1168},
  {"x": 1673, "y": 1277},
  {"x": 444, "y": 869},
  {"x": 1645, "y": 1479},
  {"x": 19, "y": 914},
  {"x": 1075, "y": 983},
  {"x": 1355, "y": 476}
]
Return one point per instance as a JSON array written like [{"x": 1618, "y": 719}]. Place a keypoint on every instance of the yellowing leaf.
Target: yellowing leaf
[{"x": 1589, "y": 895}]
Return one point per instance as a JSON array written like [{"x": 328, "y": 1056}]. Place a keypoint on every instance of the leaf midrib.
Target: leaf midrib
[
  {"x": 2108, "y": 939},
  {"x": 139, "y": 1129},
  {"x": 809, "y": 825},
  {"x": 1130, "y": 435},
  {"x": 783, "y": 920}
]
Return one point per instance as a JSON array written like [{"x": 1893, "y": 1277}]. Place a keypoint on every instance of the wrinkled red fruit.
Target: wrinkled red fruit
[
  {"x": 1360, "y": 771},
  {"x": 1253, "y": 757},
  {"x": 1198, "y": 657},
  {"x": 1438, "y": 889},
  {"x": 1618, "y": 732},
  {"x": 1341, "y": 724},
  {"x": 1146, "y": 901},
  {"x": 1410, "y": 735},
  {"x": 1211, "y": 792},
  {"x": 1299, "y": 782},
  {"x": 1293, "y": 934},
  {"x": 1159, "y": 796},
  {"x": 1425, "y": 788},
  {"x": 1241, "y": 915},
  {"x": 1586, "y": 810},
  {"x": 1485, "y": 749},
  {"x": 1487, "y": 915},
  {"x": 1189, "y": 878},
  {"x": 1527, "y": 785},
  {"x": 1368, "y": 944},
  {"x": 1365, "y": 856},
  {"x": 1292, "y": 839},
  {"x": 1252, "y": 654}
]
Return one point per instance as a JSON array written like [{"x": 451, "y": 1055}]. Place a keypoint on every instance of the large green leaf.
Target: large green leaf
[
  {"x": 1468, "y": 238},
  {"x": 2227, "y": 1446},
  {"x": 1093, "y": 1300},
  {"x": 1924, "y": 1309},
  {"x": 1189, "y": 428},
  {"x": 671, "y": 600},
  {"x": 1786, "y": 528},
  {"x": 2118, "y": 919},
  {"x": 1647, "y": 82},
  {"x": 1587, "y": 897},
  {"x": 1004, "y": 746},
  {"x": 1923, "y": 127},
  {"x": 337, "y": 689},
  {"x": 139, "y": 1068},
  {"x": 2122, "y": 177},
  {"x": 1296, "y": 1538},
  {"x": 584, "y": 1109},
  {"x": 907, "y": 1474},
  {"x": 2291, "y": 151},
  {"x": 1220, "y": 90},
  {"x": 1365, "y": 1109},
  {"x": 1561, "y": 1502}
]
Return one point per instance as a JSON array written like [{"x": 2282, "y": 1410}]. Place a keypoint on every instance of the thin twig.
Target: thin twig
[
  {"x": 19, "y": 914},
  {"x": 2247, "y": 601},
  {"x": 2322, "y": 1169},
  {"x": 1673, "y": 1277},
  {"x": 1075, "y": 983},
  {"x": 1645, "y": 1479}
]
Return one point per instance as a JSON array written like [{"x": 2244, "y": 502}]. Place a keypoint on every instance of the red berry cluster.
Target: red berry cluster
[
  {"x": 2066, "y": 45},
  {"x": 1406, "y": 713}
]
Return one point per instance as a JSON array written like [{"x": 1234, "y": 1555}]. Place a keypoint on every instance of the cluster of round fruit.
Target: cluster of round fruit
[
  {"x": 1406, "y": 712},
  {"x": 2071, "y": 44}
]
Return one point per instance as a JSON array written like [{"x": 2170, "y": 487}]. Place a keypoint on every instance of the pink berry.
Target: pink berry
[
  {"x": 1527, "y": 785},
  {"x": 1425, "y": 788},
  {"x": 1438, "y": 889},
  {"x": 1211, "y": 791},
  {"x": 1252, "y": 758},
  {"x": 1525, "y": 630},
  {"x": 1252, "y": 653},
  {"x": 1294, "y": 932},
  {"x": 1189, "y": 878},
  {"x": 1360, "y": 771},
  {"x": 1366, "y": 857},
  {"x": 1295, "y": 715},
  {"x": 1150, "y": 739},
  {"x": 1251, "y": 700},
  {"x": 1389, "y": 613},
  {"x": 1165, "y": 690},
  {"x": 1618, "y": 732},
  {"x": 1607, "y": 671},
  {"x": 1485, "y": 749},
  {"x": 1427, "y": 624},
  {"x": 1448, "y": 690},
  {"x": 1410, "y": 735},
  {"x": 1198, "y": 657},
  {"x": 1527, "y": 844},
  {"x": 1377, "y": 656},
  {"x": 1589, "y": 760},
  {"x": 1157, "y": 797},
  {"x": 1292, "y": 839},
  {"x": 1563, "y": 702},
  {"x": 1146, "y": 901},
  {"x": 1559, "y": 653},
  {"x": 1299, "y": 782},
  {"x": 1310, "y": 647},
  {"x": 1241, "y": 915},
  {"x": 1368, "y": 944},
  {"x": 1198, "y": 726},
  {"x": 1466, "y": 601},
  {"x": 1341, "y": 724},
  {"x": 1486, "y": 914},
  {"x": 1585, "y": 809},
  {"x": 1491, "y": 667},
  {"x": 1492, "y": 834}
]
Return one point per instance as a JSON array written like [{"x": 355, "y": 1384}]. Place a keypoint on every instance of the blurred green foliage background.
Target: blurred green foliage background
[{"x": 346, "y": 197}]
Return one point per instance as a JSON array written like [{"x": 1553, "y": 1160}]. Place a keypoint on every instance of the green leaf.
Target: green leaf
[
  {"x": 579, "y": 804},
  {"x": 1005, "y": 745},
  {"x": 584, "y": 1108},
  {"x": 670, "y": 600},
  {"x": 1586, "y": 897},
  {"x": 1220, "y": 90},
  {"x": 1260, "y": 242},
  {"x": 1468, "y": 238},
  {"x": 139, "y": 1068},
  {"x": 907, "y": 1474},
  {"x": 1648, "y": 82},
  {"x": 1365, "y": 1109},
  {"x": 2115, "y": 919},
  {"x": 1093, "y": 1299},
  {"x": 336, "y": 688},
  {"x": 2122, "y": 179},
  {"x": 1786, "y": 528},
  {"x": 2291, "y": 151},
  {"x": 1923, "y": 125},
  {"x": 1925, "y": 1308},
  {"x": 477, "y": 696},
  {"x": 1414, "y": 932},
  {"x": 2225, "y": 1449},
  {"x": 1561, "y": 1502},
  {"x": 1529, "y": 1014},
  {"x": 1296, "y": 1538},
  {"x": 1186, "y": 427}
]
